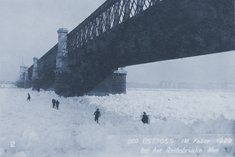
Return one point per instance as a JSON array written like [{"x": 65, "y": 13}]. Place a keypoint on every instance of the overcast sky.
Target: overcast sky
[
  {"x": 28, "y": 29},
  {"x": 215, "y": 68}
]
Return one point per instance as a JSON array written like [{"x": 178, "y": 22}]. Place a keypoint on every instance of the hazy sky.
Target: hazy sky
[
  {"x": 28, "y": 29},
  {"x": 215, "y": 68}
]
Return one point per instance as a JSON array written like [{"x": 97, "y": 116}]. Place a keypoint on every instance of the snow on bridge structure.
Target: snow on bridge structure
[{"x": 128, "y": 32}]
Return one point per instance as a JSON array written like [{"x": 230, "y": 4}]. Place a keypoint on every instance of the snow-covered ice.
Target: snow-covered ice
[
  {"x": 34, "y": 129},
  {"x": 184, "y": 105}
]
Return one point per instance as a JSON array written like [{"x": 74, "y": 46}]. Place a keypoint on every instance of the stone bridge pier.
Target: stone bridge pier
[
  {"x": 27, "y": 82},
  {"x": 24, "y": 81},
  {"x": 62, "y": 71},
  {"x": 113, "y": 84},
  {"x": 35, "y": 75}
]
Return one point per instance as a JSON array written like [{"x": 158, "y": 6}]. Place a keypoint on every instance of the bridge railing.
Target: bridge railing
[{"x": 107, "y": 16}]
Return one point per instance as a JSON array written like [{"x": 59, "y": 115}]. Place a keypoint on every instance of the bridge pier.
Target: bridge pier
[
  {"x": 27, "y": 82},
  {"x": 113, "y": 84},
  {"x": 21, "y": 81},
  {"x": 119, "y": 81},
  {"x": 35, "y": 75},
  {"x": 62, "y": 71}
]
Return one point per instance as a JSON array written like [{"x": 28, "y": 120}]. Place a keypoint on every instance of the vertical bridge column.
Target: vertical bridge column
[
  {"x": 21, "y": 81},
  {"x": 62, "y": 71},
  {"x": 35, "y": 75},
  {"x": 119, "y": 81},
  {"x": 112, "y": 84},
  {"x": 27, "y": 83}
]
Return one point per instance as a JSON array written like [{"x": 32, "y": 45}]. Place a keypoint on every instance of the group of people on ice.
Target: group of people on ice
[
  {"x": 97, "y": 114},
  {"x": 55, "y": 104}
]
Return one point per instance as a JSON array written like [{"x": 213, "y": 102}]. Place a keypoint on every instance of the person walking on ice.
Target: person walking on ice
[
  {"x": 57, "y": 104},
  {"x": 145, "y": 118},
  {"x": 53, "y": 103},
  {"x": 97, "y": 115},
  {"x": 29, "y": 97}
]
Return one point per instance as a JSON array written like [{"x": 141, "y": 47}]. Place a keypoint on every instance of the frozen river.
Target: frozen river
[{"x": 204, "y": 119}]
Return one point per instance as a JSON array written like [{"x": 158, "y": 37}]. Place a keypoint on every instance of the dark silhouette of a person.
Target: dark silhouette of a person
[
  {"x": 145, "y": 118},
  {"x": 97, "y": 115},
  {"x": 57, "y": 104},
  {"x": 53, "y": 103},
  {"x": 29, "y": 97}
]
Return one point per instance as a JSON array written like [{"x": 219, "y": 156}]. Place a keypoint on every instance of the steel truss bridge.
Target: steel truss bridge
[{"x": 129, "y": 32}]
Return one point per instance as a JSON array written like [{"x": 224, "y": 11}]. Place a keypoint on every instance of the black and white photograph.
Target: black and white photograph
[{"x": 117, "y": 78}]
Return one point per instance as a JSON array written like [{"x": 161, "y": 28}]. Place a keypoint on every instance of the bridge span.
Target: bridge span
[{"x": 89, "y": 59}]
